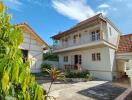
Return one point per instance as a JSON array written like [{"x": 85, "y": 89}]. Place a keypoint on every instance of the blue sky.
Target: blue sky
[{"x": 48, "y": 17}]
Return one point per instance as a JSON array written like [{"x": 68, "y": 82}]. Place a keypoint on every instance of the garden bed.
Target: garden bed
[
  {"x": 81, "y": 76},
  {"x": 76, "y": 79}
]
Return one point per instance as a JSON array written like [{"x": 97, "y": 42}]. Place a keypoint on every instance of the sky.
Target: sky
[{"x": 48, "y": 17}]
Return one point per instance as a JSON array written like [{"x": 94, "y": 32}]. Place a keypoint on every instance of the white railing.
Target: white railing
[
  {"x": 83, "y": 40},
  {"x": 58, "y": 47}
]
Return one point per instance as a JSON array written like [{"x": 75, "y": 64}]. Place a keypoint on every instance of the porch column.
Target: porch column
[
  {"x": 101, "y": 31},
  {"x": 101, "y": 34},
  {"x": 129, "y": 73}
]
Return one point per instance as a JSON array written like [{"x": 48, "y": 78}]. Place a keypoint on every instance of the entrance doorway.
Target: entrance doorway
[
  {"x": 77, "y": 59},
  {"x": 25, "y": 54}
]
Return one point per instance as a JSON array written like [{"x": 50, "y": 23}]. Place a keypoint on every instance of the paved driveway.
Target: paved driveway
[{"x": 92, "y": 90}]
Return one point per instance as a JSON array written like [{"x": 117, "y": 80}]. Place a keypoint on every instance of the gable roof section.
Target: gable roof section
[
  {"x": 83, "y": 23},
  {"x": 125, "y": 44},
  {"x": 34, "y": 34},
  {"x": 75, "y": 28}
]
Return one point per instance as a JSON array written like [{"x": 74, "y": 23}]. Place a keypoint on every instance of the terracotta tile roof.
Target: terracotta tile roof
[{"x": 125, "y": 44}]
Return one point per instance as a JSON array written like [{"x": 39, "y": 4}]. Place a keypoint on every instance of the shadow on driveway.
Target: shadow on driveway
[{"x": 106, "y": 91}]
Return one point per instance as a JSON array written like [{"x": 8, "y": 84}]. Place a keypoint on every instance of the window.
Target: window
[
  {"x": 25, "y": 55},
  {"x": 79, "y": 35},
  {"x": 78, "y": 59},
  {"x": 98, "y": 35},
  {"x": 93, "y": 57},
  {"x": 74, "y": 39},
  {"x": 96, "y": 57},
  {"x": 110, "y": 31},
  {"x": 65, "y": 58},
  {"x": 95, "y": 35}
]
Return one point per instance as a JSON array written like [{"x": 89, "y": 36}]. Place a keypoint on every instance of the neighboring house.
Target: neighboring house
[
  {"x": 32, "y": 47},
  {"x": 93, "y": 44}
]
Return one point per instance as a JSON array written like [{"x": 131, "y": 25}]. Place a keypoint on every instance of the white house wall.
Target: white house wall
[
  {"x": 85, "y": 36},
  {"x": 114, "y": 36},
  {"x": 35, "y": 51},
  {"x": 100, "y": 69},
  {"x": 112, "y": 63}
]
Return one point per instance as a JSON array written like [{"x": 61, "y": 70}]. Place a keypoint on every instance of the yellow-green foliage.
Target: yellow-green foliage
[{"x": 16, "y": 82}]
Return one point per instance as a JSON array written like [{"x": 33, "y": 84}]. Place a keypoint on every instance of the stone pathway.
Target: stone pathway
[{"x": 92, "y": 90}]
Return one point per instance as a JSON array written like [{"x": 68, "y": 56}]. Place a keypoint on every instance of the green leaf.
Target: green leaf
[{"x": 5, "y": 81}]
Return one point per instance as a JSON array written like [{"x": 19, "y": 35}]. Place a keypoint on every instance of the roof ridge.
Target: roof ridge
[
  {"x": 31, "y": 29},
  {"x": 126, "y": 34},
  {"x": 97, "y": 15}
]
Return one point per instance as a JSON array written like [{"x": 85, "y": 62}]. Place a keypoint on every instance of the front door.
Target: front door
[{"x": 76, "y": 59}]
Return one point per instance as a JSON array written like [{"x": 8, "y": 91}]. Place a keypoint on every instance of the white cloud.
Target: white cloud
[
  {"x": 104, "y": 6},
  {"x": 13, "y": 4},
  {"x": 75, "y": 9}
]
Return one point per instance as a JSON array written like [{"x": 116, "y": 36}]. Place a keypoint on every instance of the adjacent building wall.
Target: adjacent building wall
[{"x": 35, "y": 51}]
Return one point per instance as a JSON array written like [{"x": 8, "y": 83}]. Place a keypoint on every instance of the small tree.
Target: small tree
[
  {"x": 54, "y": 75},
  {"x": 16, "y": 82}
]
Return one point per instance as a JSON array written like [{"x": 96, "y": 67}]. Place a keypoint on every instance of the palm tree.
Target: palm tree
[{"x": 54, "y": 74}]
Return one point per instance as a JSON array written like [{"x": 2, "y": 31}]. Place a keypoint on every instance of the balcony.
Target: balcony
[{"x": 79, "y": 42}]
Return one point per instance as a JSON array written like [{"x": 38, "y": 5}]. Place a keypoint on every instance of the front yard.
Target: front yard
[{"x": 91, "y": 90}]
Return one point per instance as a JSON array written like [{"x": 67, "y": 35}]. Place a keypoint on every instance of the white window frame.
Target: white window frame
[
  {"x": 110, "y": 31},
  {"x": 65, "y": 58},
  {"x": 96, "y": 56},
  {"x": 95, "y": 35}
]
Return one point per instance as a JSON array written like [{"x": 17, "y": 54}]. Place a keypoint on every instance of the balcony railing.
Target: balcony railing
[{"x": 78, "y": 42}]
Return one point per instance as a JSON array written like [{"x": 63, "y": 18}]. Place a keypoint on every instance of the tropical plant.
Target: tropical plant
[
  {"x": 50, "y": 56},
  {"x": 45, "y": 66},
  {"x": 16, "y": 82},
  {"x": 54, "y": 74}
]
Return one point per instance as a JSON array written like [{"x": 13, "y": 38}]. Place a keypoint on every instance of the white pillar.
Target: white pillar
[
  {"x": 131, "y": 81},
  {"x": 129, "y": 73}
]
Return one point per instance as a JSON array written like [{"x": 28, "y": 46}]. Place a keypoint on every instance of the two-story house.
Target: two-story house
[{"x": 91, "y": 44}]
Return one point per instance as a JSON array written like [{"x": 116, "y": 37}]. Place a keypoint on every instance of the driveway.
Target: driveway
[{"x": 92, "y": 90}]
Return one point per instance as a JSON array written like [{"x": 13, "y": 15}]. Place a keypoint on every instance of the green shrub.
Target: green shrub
[
  {"x": 16, "y": 82},
  {"x": 82, "y": 74},
  {"x": 44, "y": 67},
  {"x": 50, "y": 56},
  {"x": 88, "y": 77}
]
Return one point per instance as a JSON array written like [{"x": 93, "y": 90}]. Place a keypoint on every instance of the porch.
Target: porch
[
  {"x": 124, "y": 65},
  {"x": 72, "y": 67}
]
